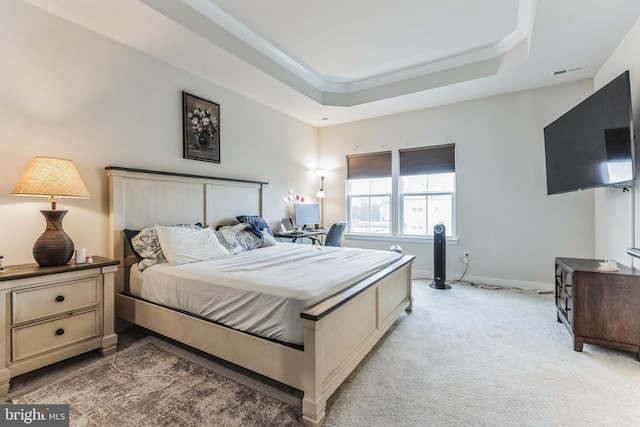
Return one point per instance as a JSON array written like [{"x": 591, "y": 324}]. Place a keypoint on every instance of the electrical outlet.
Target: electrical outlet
[{"x": 466, "y": 258}]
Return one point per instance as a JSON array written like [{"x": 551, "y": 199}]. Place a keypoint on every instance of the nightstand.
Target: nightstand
[{"x": 48, "y": 314}]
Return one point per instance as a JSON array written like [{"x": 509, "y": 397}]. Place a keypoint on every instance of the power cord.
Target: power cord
[
  {"x": 451, "y": 282},
  {"x": 113, "y": 363},
  {"x": 491, "y": 287},
  {"x": 508, "y": 288}
]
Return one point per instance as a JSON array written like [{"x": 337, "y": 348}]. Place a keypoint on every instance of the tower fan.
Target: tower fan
[{"x": 439, "y": 258}]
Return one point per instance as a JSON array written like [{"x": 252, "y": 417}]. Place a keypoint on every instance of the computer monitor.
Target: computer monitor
[{"x": 307, "y": 214}]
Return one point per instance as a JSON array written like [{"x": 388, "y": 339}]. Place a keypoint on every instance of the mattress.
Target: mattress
[{"x": 261, "y": 291}]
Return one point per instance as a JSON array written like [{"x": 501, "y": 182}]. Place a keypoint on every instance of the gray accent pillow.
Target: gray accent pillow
[{"x": 238, "y": 238}]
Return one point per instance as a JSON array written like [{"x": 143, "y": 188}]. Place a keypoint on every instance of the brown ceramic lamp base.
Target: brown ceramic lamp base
[{"x": 54, "y": 246}]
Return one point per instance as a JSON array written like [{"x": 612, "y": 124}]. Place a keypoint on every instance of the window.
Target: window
[
  {"x": 369, "y": 192},
  {"x": 427, "y": 190},
  {"x": 424, "y": 196}
]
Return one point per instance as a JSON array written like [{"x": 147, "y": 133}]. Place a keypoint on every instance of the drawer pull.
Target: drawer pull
[
  {"x": 60, "y": 331},
  {"x": 59, "y": 298}
]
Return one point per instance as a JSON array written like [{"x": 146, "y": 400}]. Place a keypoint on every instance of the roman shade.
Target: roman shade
[
  {"x": 366, "y": 166},
  {"x": 428, "y": 160}
]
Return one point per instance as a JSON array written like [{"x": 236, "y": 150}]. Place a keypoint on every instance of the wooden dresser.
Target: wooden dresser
[
  {"x": 598, "y": 307},
  {"x": 49, "y": 314}
]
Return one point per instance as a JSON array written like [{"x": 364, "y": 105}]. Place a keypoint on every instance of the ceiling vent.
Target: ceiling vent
[{"x": 567, "y": 70}]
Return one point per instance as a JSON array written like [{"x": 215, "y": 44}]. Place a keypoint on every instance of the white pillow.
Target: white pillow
[
  {"x": 269, "y": 240},
  {"x": 185, "y": 245}
]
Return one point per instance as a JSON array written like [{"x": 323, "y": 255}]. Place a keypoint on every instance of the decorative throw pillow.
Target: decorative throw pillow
[
  {"x": 186, "y": 245},
  {"x": 146, "y": 245},
  {"x": 257, "y": 221},
  {"x": 239, "y": 238},
  {"x": 250, "y": 238}
]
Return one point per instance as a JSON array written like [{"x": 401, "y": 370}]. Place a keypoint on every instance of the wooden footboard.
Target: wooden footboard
[{"x": 340, "y": 331}]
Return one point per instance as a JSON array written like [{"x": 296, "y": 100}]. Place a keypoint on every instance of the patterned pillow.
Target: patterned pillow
[
  {"x": 257, "y": 221},
  {"x": 239, "y": 238},
  {"x": 146, "y": 245},
  {"x": 128, "y": 235}
]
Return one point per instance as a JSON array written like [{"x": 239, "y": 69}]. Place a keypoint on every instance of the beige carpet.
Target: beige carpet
[
  {"x": 463, "y": 357},
  {"x": 100, "y": 395},
  {"x": 476, "y": 357}
]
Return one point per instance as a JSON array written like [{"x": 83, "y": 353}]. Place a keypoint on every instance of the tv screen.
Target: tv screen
[
  {"x": 592, "y": 144},
  {"x": 306, "y": 213}
]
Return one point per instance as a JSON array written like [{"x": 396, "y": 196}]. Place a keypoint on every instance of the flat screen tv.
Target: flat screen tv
[{"x": 592, "y": 145}]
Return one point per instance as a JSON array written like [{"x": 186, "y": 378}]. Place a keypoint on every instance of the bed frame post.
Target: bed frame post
[
  {"x": 116, "y": 225},
  {"x": 313, "y": 402}
]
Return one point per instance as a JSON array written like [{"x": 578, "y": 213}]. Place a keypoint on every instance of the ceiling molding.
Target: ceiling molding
[
  {"x": 237, "y": 29},
  {"x": 567, "y": 36},
  {"x": 476, "y": 63}
]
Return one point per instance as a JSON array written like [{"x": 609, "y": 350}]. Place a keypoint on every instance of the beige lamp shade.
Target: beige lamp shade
[{"x": 55, "y": 178}]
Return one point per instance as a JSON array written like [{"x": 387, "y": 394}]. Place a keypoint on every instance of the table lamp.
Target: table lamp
[{"x": 52, "y": 178}]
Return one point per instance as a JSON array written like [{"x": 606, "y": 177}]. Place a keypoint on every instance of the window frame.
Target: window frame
[
  {"x": 439, "y": 159},
  {"x": 450, "y": 231},
  {"x": 369, "y": 196},
  {"x": 376, "y": 165}
]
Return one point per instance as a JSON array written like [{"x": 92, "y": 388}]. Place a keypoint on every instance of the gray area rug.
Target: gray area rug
[{"x": 102, "y": 396}]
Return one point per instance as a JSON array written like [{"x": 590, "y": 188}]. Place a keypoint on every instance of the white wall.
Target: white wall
[
  {"x": 613, "y": 219},
  {"x": 505, "y": 219},
  {"x": 68, "y": 92}
]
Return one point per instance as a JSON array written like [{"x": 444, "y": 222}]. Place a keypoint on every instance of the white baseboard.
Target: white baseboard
[{"x": 505, "y": 283}]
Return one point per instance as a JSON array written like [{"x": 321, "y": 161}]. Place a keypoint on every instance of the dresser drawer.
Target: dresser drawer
[
  {"x": 42, "y": 337},
  {"x": 46, "y": 301}
]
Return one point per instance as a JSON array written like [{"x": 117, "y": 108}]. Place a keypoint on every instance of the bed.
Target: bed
[{"x": 338, "y": 329}]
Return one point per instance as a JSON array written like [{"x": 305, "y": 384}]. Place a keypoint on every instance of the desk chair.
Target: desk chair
[{"x": 334, "y": 237}]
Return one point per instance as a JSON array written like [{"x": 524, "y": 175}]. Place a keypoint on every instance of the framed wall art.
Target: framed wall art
[{"x": 201, "y": 129}]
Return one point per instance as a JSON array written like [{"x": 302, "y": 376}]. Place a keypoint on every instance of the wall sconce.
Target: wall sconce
[{"x": 52, "y": 178}]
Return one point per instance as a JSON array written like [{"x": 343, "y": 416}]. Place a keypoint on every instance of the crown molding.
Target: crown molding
[{"x": 465, "y": 66}]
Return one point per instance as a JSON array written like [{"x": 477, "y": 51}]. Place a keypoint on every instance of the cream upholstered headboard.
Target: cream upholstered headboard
[{"x": 139, "y": 198}]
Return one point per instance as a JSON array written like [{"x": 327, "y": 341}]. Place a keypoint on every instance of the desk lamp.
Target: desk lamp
[{"x": 52, "y": 178}]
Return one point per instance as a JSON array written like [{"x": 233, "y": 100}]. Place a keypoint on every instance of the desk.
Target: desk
[{"x": 295, "y": 235}]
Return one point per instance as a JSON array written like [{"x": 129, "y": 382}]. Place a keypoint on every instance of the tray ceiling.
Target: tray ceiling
[{"x": 342, "y": 60}]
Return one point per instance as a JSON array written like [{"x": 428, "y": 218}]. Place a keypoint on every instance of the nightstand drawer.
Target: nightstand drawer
[
  {"x": 46, "y": 301},
  {"x": 43, "y": 337}
]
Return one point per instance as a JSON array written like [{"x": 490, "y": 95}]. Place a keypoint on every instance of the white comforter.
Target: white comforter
[{"x": 261, "y": 291}]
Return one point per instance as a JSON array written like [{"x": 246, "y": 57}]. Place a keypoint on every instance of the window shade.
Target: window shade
[
  {"x": 374, "y": 165},
  {"x": 426, "y": 160}
]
